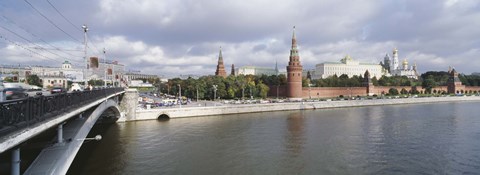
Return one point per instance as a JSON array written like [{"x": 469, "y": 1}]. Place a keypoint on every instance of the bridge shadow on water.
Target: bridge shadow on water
[{"x": 90, "y": 149}]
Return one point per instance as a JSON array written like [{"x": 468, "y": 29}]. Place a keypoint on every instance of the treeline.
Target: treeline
[
  {"x": 357, "y": 81},
  {"x": 434, "y": 79},
  {"x": 210, "y": 87}
]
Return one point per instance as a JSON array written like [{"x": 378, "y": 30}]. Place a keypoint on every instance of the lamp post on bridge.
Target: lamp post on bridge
[
  {"x": 180, "y": 94},
  {"x": 105, "y": 68},
  {"x": 85, "y": 29}
]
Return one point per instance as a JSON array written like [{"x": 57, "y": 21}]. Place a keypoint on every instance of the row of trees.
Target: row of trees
[
  {"x": 357, "y": 81},
  {"x": 210, "y": 87},
  {"x": 434, "y": 79}
]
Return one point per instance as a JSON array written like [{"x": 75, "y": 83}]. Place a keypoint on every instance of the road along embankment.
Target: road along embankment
[{"x": 250, "y": 108}]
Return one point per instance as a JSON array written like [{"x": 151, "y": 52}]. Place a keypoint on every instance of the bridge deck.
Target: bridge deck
[{"x": 20, "y": 135}]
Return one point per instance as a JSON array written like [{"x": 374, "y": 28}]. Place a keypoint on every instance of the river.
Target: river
[{"x": 441, "y": 138}]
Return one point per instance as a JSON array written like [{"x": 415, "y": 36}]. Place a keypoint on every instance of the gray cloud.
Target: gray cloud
[{"x": 174, "y": 37}]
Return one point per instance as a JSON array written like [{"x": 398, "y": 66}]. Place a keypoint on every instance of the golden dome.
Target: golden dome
[{"x": 405, "y": 62}]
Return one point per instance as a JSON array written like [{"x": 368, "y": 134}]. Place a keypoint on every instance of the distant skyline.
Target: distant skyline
[{"x": 180, "y": 37}]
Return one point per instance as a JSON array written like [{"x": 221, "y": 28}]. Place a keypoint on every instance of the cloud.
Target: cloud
[{"x": 172, "y": 37}]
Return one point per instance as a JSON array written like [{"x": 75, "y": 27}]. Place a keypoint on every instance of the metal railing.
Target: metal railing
[{"x": 21, "y": 113}]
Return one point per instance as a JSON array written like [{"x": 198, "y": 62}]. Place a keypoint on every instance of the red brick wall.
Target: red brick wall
[
  {"x": 325, "y": 92},
  {"x": 322, "y": 92},
  {"x": 282, "y": 91}
]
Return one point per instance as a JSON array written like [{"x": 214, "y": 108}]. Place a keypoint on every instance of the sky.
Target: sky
[{"x": 183, "y": 37}]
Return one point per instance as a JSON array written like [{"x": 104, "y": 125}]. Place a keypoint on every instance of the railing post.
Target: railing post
[
  {"x": 29, "y": 109},
  {"x": 15, "y": 162}
]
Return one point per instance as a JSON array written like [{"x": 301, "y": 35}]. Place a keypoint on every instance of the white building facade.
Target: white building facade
[
  {"x": 252, "y": 70},
  {"x": 396, "y": 70},
  {"x": 349, "y": 67}
]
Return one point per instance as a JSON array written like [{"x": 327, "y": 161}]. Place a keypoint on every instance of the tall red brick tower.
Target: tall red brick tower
[
  {"x": 220, "y": 68},
  {"x": 454, "y": 85},
  {"x": 294, "y": 72}
]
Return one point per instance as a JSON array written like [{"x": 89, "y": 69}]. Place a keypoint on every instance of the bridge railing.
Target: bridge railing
[{"x": 21, "y": 113}]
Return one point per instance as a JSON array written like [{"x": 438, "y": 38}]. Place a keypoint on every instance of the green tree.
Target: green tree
[
  {"x": 8, "y": 79},
  {"x": 34, "y": 80},
  {"x": 429, "y": 83},
  {"x": 263, "y": 90},
  {"x": 393, "y": 91},
  {"x": 404, "y": 91},
  {"x": 96, "y": 82}
]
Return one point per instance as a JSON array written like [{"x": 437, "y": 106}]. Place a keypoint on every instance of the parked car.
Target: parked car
[{"x": 56, "y": 90}]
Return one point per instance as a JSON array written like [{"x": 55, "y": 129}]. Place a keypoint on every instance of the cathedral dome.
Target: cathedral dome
[{"x": 405, "y": 62}]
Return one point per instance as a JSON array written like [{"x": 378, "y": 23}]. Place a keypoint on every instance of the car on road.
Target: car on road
[
  {"x": 56, "y": 90},
  {"x": 14, "y": 93}
]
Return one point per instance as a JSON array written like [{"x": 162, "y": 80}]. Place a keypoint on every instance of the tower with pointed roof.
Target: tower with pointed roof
[
  {"x": 294, "y": 72},
  {"x": 220, "y": 67},
  {"x": 394, "y": 62},
  {"x": 386, "y": 62},
  {"x": 233, "y": 70}
]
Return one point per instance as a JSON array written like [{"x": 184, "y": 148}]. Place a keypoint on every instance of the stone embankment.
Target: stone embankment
[{"x": 250, "y": 108}]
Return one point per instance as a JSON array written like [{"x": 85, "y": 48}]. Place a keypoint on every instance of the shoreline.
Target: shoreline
[{"x": 153, "y": 114}]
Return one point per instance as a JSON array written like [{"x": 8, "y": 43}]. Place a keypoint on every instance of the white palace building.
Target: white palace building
[
  {"x": 347, "y": 66},
  {"x": 351, "y": 67}
]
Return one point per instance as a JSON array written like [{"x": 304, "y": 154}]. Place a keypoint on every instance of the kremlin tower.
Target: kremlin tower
[
  {"x": 294, "y": 72},
  {"x": 220, "y": 68}
]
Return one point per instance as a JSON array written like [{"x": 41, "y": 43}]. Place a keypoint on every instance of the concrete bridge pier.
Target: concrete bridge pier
[{"x": 129, "y": 105}]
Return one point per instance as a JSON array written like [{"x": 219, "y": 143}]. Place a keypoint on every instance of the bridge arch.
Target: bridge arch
[
  {"x": 110, "y": 114},
  {"x": 163, "y": 117}
]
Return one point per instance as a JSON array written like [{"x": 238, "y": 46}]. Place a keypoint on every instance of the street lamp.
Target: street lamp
[
  {"x": 85, "y": 29},
  {"x": 96, "y": 138},
  {"x": 251, "y": 95},
  {"x": 105, "y": 67},
  {"x": 215, "y": 92},
  {"x": 180, "y": 94}
]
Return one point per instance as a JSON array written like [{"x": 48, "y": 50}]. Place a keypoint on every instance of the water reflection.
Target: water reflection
[
  {"x": 109, "y": 150},
  {"x": 403, "y": 139},
  {"x": 295, "y": 137}
]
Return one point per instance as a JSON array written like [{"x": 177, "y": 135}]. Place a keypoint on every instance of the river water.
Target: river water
[{"x": 441, "y": 138}]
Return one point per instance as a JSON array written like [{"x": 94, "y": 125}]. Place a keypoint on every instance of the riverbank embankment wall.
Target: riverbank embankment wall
[{"x": 250, "y": 108}]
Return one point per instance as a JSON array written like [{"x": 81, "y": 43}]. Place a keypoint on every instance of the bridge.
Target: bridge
[{"x": 71, "y": 114}]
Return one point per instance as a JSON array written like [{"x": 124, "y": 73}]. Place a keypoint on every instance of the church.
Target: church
[{"x": 394, "y": 69}]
